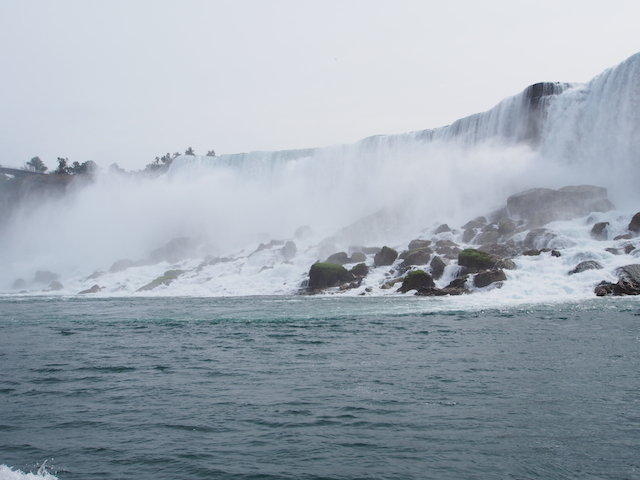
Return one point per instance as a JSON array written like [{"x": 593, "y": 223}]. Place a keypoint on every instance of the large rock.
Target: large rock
[
  {"x": 437, "y": 267},
  {"x": 417, "y": 243},
  {"x": 19, "y": 284},
  {"x": 476, "y": 259},
  {"x": 44, "y": 276},
  {"x": 386, "y": 256},
  {"x": 417, "y": 257},
  {"x": 634, "y": 225},
  {"x": 325, "y": 275},
  {"x": 484, "y": 279},
  {"x": 289, "y": 250},
  {"x": 538, "y": 238},
  {"x": 357, "y": 257},
  {"x": 628, "y": 282},
  {"x": 540, "y": 206},
  {"x": 416, "y": 280},
  {"x": 584, "y": 266},
  {"x": 339, "y": 258},
  {"x": 120, "y": 265},
  {"x": 600, "y": 231}
]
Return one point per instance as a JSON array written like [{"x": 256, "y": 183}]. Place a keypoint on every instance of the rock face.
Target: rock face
[
  {"x": 417, "y": 280},
  {"x": 628, "y": 282},
  {"x": 484, "y": 279},
  {"x": 325, "y": 275},
  {"x": 540, "y": 206},
  {"x": 476, "y": 259},
  {"x": 634, "y": 225},
  {"x": 386, "y": 256}
]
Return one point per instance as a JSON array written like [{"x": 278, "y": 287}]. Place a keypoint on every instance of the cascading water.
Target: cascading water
[{"x": 384, "y": 189}]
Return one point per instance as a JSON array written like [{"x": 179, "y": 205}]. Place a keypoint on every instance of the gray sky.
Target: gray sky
[{"x": 126, "y": 81}]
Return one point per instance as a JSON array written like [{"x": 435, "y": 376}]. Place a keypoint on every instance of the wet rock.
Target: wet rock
[
  {"x": 339, "y": 258},
  {"x": 19, "y": 284},
  {"x": 468, "y": 235},
  {"x": 612, "y": 251},
  {"x": 584, "y": 266},
  {"x": 634, "y": 225},
  {"x": 325, "y": 275},
  {"x": 359, "y": 271},
  {"x": 628, "y": 282},
  {"x": 416, "y": 280},
  {"x": 444, "y": 228},
  {"x": 448, "y": 249},
  {"x": 414, "y": 244},
  {"x": 55, "y": 286},
  {"x": 94, "y": 275},
  {"x": 506, "y": 226},
  {"x": 386, "y": 256},
  {"x": 479, "y": 222},
  {"x": 629, "y": 248},
  {"x": 476, "y": 259},
  {"x": 417, "y": 257},
  {"x": 506, "y": 264},
  {"x": 600, "y": 231},
  {"x": 289, "y": 250},
  {"x": 357, "y": 257},
  {"x": 626, "y": 236},
  {"x": 94, "y": 289},
  {"x": 538, "y": 238},
  {"x": 484, "y": 279},
  {"x": 487, "y": 237},
  {"x": 437, "y": 267},
  {"x": 166, "y": 279}
]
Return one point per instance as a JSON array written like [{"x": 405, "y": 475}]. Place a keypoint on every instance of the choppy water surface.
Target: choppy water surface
[{"x": 304, "y": 388}]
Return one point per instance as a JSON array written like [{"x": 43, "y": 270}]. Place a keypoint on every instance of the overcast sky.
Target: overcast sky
[{"x": 126, "y": 81}]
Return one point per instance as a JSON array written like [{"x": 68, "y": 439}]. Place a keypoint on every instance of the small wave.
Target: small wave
[{"x": 8, "y": 473}]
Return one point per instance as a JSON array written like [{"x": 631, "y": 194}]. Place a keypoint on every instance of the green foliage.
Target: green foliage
[
  {"x": 63, "y": 168},
  {"x": 211, "y": 153},
  {"x": 37, "y": 165}
]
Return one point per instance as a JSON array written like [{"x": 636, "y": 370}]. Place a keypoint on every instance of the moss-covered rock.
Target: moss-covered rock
[
  {"x": 475, "y": 259},
  {"x": 416, "y": 280},
  {"x": 325, "y": 275},
  {"x": 166, "y": 279},
  {"x": 386, "y": 256},
  {"x": 360, "y": 270}
]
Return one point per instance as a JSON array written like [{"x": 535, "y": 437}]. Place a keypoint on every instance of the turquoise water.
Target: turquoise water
[{"x": 318, "y": 387}]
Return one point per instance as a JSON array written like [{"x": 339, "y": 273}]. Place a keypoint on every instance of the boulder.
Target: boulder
[
  {"x": 55, "y": 286},
  {"x": 476, "y": 259},
  {"x": 386, "y": 256},
  {"x": 540, "y": 206},
  {"x": 416, "y": 280},
  {"x": 325, "y": 275},
  {"x": 417, "y": 257},
  {"x": 584, "y": 266},
  {"x": 626, "y": 236},
  {"x": 437, "y": 267},
  {"x": 94, "y": 289},
  {"x": 599, "y": 231},
  {"x": 289, "y": 250},
  {"x": 339, "y": 258},
  {"x": 484, "y": 279},
  {"x": 19, "y": 284},
  {"x": 468, "y": 235},
  {"x": 414, "y": 244},
  {"x": 448, "y": 249},
  {"x": 444, "y": 228},
  {"x": 628, "y": 282},
  {"x": 357, "y": 257},
  {"x": 487, "y": 237},
  {"x": 359, "y": 271},
  {"x": 479, "y": 222},
  {"x": 634, "y": 225},
  {"x": 538, "y": 238},
  {"x": 506, "y": 227}
]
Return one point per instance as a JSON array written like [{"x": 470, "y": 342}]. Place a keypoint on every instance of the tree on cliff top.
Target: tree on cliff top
[{"x": 37, "y": 165}]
